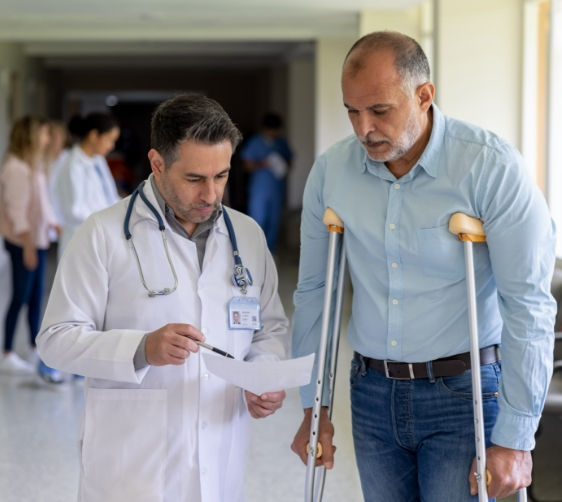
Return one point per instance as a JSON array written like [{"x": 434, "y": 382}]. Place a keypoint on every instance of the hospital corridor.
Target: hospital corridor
[{"x": 198, "y": 196}]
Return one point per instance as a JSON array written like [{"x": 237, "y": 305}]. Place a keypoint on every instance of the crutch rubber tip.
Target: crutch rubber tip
[{"x": 318, "y": 451}]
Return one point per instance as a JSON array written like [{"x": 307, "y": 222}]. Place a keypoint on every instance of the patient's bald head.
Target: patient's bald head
[{"x": 410, "y": 62}]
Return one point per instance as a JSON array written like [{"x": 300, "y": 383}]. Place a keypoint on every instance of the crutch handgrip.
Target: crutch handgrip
[
  {"x": 318, "y": 449},
  {"x": 333, "y": 221},
  {"x": 467, "y": 228}
]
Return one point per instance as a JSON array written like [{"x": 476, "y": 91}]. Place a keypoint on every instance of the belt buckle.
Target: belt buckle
[{"x": 387, "y": 373}]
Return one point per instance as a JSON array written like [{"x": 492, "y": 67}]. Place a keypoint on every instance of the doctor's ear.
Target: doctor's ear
[{"x": 157, "y": 163}]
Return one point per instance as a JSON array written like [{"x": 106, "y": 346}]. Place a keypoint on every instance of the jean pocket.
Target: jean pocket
[
  {"x": 441, "y": 253},
  {"x": 461, "y": 386},
  {"x": 355, "y": 373}
]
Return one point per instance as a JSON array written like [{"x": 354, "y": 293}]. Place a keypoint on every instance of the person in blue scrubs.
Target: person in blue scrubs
[{"x": 267, "y": 156}]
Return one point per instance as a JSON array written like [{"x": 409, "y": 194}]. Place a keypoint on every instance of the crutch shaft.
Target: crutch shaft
[
  {"x": 335, "y": 342},
  {"x": 321, "y": 362},
  {"x": 479, "y": 434}
]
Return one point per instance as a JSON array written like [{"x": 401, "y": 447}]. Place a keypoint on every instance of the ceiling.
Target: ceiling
[{"x": 181, "y": 20}]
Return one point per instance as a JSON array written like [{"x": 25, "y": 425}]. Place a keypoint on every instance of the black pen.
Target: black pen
[{"x": 214, "y": 349}]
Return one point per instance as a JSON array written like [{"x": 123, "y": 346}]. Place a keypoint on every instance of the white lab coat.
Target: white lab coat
[
  {"x": 172, "y": 433},
  {"x": 80, "y": 191},
  {"x": 54, "y": 173}
]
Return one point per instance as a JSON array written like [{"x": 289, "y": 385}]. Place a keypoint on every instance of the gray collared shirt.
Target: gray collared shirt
[
  {"x": 199, "y": 237},
  {"x": 202, "y": 230}
]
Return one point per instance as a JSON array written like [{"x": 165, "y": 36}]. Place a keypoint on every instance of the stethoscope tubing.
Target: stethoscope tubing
[{"x": 242, "y": 277}]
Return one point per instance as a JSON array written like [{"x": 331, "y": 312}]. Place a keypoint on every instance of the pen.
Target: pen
[{"x": 214, "y": 349}]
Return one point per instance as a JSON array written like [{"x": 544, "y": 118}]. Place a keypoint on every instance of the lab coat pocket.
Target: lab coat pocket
[
  {"x": 441, "y": 253},
  {"x": 124, "y": 445}
]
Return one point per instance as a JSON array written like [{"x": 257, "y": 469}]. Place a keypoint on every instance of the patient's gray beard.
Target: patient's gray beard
[{"x": 400, "y": 147}]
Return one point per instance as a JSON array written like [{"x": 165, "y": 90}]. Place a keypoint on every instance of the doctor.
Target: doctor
[
  {"x": 157, "y": 425},
  {"x": 84, "y": 183}
]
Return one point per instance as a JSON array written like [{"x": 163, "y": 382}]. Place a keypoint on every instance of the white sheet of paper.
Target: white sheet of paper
[{"x": 262, "y": 376}]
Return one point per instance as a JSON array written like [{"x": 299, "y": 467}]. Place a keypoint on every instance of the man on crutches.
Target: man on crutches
[{"x": 395, "y": 185}]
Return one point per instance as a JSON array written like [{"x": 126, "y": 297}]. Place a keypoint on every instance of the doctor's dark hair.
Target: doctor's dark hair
[
  {"x": 190, "y": 117},
  {"x": 409, "y": 59},
  {"x": 101, "y": 122}
]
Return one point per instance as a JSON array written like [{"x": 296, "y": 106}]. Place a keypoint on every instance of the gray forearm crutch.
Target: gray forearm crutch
[
  {"x": 471, "y": 230},
  {"x": 314, "y": 491}
]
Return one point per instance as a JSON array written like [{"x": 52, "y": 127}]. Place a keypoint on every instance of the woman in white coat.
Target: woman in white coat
[
  {"x": 158, "y": 427},
  {"x": 84, "y": 184}
]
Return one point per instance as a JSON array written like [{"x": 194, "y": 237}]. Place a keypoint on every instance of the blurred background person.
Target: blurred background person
[
  {"x": 267, "y": 156},
  {"x": 26, "y": 217},
  {"x": 85, "y": 184},
  {"x": 57, "y": 155}
]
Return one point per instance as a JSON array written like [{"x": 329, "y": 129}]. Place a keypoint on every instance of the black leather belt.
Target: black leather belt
[{"x": 447, "y": 366}]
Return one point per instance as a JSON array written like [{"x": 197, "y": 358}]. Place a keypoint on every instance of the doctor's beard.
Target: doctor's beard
[
  {"x": 400, "y": 146},
  {"x": 186, "y": 212}
]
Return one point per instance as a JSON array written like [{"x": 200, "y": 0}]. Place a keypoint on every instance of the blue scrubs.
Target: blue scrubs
[{"x": 265, "y": 192}]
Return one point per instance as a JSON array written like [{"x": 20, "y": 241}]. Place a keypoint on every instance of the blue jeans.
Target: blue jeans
[
  {"x": 27, "y": 288},
  {"x": 414, "y": 439},
  {"x": 265, "y": 203}
]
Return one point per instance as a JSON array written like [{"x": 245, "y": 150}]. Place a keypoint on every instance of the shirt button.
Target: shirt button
[
  {"x": 392, "y": 226},
  {"x": 206, "y": 376},
  {"x": 394, "y": 343},
  {"x": 204, "y": 330},
  {"x": 394, "y": 302},
  {"x": 395, "y": 265},
  {"x": 203, "y": 471},
  {"x": 397, "y": 186}
]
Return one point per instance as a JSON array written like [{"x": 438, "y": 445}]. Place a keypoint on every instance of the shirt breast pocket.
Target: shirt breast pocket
[{"x": 441, "y": 253}]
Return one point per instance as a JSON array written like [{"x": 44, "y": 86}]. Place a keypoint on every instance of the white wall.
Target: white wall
[
  {"x": 301, "y": 125},
  {"x": 332, "y": 123},
  {"x": 480, "y": 63},
  {"x": 12, "y": 60},
  {"x": 554, "y": 177},
  {"x": 407, "y": 22}
]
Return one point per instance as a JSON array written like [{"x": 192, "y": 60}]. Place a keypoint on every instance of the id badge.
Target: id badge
[{"x": 244, "y": 313}]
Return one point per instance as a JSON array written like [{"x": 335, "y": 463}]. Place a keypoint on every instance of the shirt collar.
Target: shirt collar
[{"x": 429, "y": 159}]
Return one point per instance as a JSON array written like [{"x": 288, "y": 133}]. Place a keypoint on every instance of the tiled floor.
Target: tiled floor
[{"x": 38, "y": 460}]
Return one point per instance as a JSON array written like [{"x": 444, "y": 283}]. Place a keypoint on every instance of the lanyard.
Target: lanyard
[{"x": 242, "y": 277}]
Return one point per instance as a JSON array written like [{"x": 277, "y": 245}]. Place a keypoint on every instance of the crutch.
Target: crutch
[
  {"x": 314, "y": 491},
  {"x": 471, "y": 230}
]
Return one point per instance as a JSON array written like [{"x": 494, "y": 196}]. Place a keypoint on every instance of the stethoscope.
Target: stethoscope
[{"x": 241, "y": 278}]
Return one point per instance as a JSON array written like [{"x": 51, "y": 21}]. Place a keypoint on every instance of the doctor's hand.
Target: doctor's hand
[
  {"x": 510, "y": 470},
  {"x": 325, "y": 436},
  {"x": 171, "y": 345},
  {"x": 266, "y": 404}
]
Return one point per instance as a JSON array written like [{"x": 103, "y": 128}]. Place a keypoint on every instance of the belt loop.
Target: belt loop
[
  {"x": 430, "y": 375},
  {"x": 363, "y": 365}
]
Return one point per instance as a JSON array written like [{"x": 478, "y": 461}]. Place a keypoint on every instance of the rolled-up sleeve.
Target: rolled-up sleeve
[
  {"x": 17, "y": 197},
  {"x": 521, "y": 241}
]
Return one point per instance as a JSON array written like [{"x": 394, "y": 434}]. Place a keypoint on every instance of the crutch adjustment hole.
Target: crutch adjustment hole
[{"x": 319, "y": 382}]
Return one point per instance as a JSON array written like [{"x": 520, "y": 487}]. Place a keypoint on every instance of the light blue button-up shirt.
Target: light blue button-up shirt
[{"x": 408, "y": 272}]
